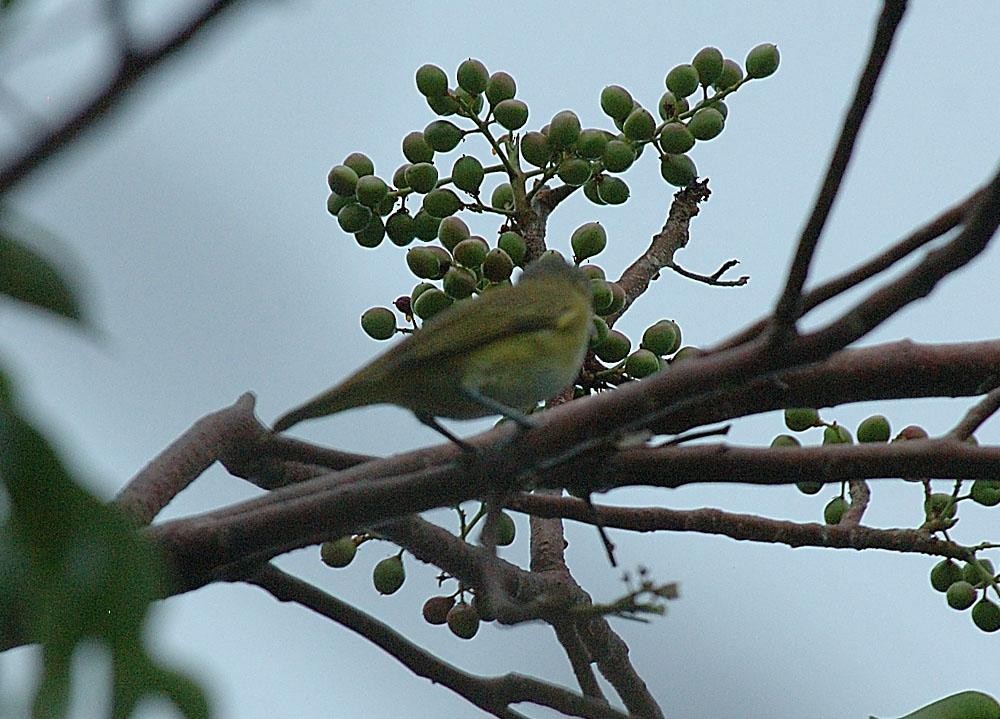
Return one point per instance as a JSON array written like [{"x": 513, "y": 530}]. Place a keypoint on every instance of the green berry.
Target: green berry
[
  {"x": 574, "y": 171},
  {"x": 424, "y": 263},
  {"x": 601, "y": 295},
  {"x": 432, "y": 81},
  {"x": 911, "y": 432},
  {"x": 639, "y": 126},
  {"x": 809, "y": 487},
  {"x": 505, "y": 530},
  {"x": 587, "y": 240},
  {"x": 686, "y": 353},
  {"x": 467, "y": 174},
  {"x": 642, "y": 363},
  {"x": 618, "y": 299},
  {"x": 676, "y": 138},
  {"x": 564, "y": 128},
  {"x": 836, "y": 434},
  {"x": 360, "y": 163},
  {"x": 762, "y": 60},
  {"x": 451, "y": 231},
  {"x": 591, "y": 143},
  {"x": 834, "y": 511},
  {"x": 961, "y": 595},
  {"x": 399, "y": 177},
  {"x": 441, "y": 202},
  {"x": 616, "y": 102},
  {"x": 590, "y": 190},
  {"x": 874, "y": 429},
  {"x": 422, "y": 177},
  {"x": 600, "y": 333},
  {"x": 614, "y": 348},
  {"x": 731, "y": 75},
  {"x": 442, "y": 136},
  {"x": 500, "y": 87},
  {"x": 721, "y": 107},
  {"x": 513, "y": 244},
  {"x": 431, "y": 302},
  {"x": 379, "y": 323},
  {"x": 371, "y": 191},
  {"x": 419, "y": 290},
  {"x": 670, "y": 106},
  {"x": 662, "y": 338},
  {"x": 342, "y": 180},
  {"x": 618, "y": 156},
  {"x": 503, "y": 197},
  {"x": 426, "y": 226},
  {"x": 612, "y": 190},
  {"x": 443, "y": 105},
  {"x": 435, "y": 609},
  {"x": 593, "y": 272},
  {"x": 938, "y": 506},
  {"x": 354, "y": 217},
  {"x": 678, "y": 170},
  {"x": 463, "y": 621},
  {"x": 683, "y": 80},
  {"x": 706, "y": 123},
  {"x": 472, "y": 76},
  {"x": 785, "y": 440},
  {"x": 708, "y": 63},
  {"x": 986, "y": 615},
  {"x": 416, "y": 149},
  {"x": 977, "y": 576},
  {"x": 471, "y": 252},
  {"x": 535, "y": 149},
  {"x": 399, "y": 226},
  {"x": 512, "y": 114},
  {"x": 335, "y": 202},
  {"x": 338, "y": 552},
  {"x": 986, "y": 492},
  {"x": 497, "y": 266},
  {"x": 472, "y": 103},
  {"x": 373, "y": 233},
  {"x": 799, "y": 419},
  {"x": 944, "y": 574},
  {"x": 389, "y": 575},
  {"x": 459, "y": 282}
]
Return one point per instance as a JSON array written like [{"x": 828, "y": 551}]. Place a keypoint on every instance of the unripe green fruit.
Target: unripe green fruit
[
  {"x": 616, "y": 102},
  {"x": 671, "y": 106},
  {"x": 400, "y": 228},
  {"x": 574, "y": 171},
  {"x": 639, "y": 126},
  {"x": 731, "y": 75},
  {"x": 338, "y": 552},
  {"x": 972, "y": 574},
  {"x": 662, "y": 338},
  {"x": 500, "y": 87},
  {"x": 503, "y": 197},
  {"x": 512, "y": 114},
  {"x": 335, "y": 202},
  {"x": 389, "y": 575},
  {"x": 435, "y": 610},
  {"x": 505, "y": 531},
  {"x": 513, "y": 244},
  {"x": 834, "y": 511},
  {"x": 874, "y": 429},
  {"x": 601, "y": 295},
  {"x": 721, "y": 107},
  {"x": 799, "y": 419},
  {"x": 467, "y": 174},
  {"x": 939, "y": 505},
  {"x": 593, "y": 272},
  {"x": 564, "y": 128},
  {"x": 497, "y": 266},
  {"x": 618, "y": 156},
  {"x": 588, "y": 240},
  {"x": 399, "y": 177},
  {"x": 785, "y": 440},
  {"x": 342, "y": 180},
  {"x": 683, "y": 80},
  {"x": 386, "y": 206},
  {"x": 706, "y": 123},
  {"x": 686, "y": 353},
  {"x": 676, "y": 138},
  {"x": 432, "y": 81},
  {"x": 451, "y": 231},
  {"x": 944, "y": 574},
  {"x": 961, "y": 595},
  {"x": 591, "y": 143},
  {"x": 459, "y": 282},
  {"x": 441, "y": 202},
  {"x": 463, "y": 621},
  {"x": 360, "y": 163},
  {"x": 422, "y": 177},
  {"x": 986, "y": 615},
  {"x": 642, "y": 363},
  {"x": 618, "y": 293},
  {"x": 809, "y": 487},
  {"x": 614, "y": 348},
  {"x": 708, "y": 63},
  {"x": 379, "y": 323},
  {"x": 371, "y": 191},
  {"x": 535, "y": 149},
  {"x": 612, "y": 190},
  {"x": 600, "y": 333},
  {"x": 424, "y": 263},
  {"x": 443, "y": 105},
  {"x": 472, "y": 76},
  {"x": 590, "y": 190},
  {"x": 442, "y": 135},
  {"x": 416, "y": 149},
  {"x": 431, "y": 302},
  {"x": 837, "y": 434},
  {"x": 762, "y": 60},
  {"x": 911, "y": 432},
  {"x": 426, "y": 226},
  {"x": 472, "y": 103},
  {"x": 986, "y": 492},
  {"x": 678, "y": 170},
  {"x": 471, "y": 252},
  {"x": 354, "y": 217},
  {"x": 418, "y": 290}
]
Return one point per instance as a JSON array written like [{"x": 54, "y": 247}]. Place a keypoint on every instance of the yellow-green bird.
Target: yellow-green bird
[{"x": 500, "y": 353}]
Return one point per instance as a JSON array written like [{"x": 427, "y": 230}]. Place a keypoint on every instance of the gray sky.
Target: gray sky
[{"x": 197, "y": 218}]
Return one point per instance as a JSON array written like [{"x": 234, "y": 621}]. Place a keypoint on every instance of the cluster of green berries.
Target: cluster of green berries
[{"x": 962, "y": 585}]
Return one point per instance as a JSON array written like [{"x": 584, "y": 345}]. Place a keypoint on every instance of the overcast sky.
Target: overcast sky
[{"x": 196, "y": 222}]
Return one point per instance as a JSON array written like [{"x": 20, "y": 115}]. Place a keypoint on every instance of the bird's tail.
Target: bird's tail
[{"x": 355, "y": 391}]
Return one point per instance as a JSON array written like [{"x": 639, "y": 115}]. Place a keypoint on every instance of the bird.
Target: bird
[{"x": 500, "y": 353}]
